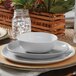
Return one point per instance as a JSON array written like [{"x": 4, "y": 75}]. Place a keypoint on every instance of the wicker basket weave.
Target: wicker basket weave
[
  {"x": 52, "y": 23},
  {"x": 41, "y": 22},
  {"x": 5, "y": 17}
]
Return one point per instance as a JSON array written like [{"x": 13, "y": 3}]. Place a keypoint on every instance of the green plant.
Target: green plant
[
  {"x": 54, "y": 6},
  {"x": 51, "y": 6},
  {"x": 62, "y": 6},
  {"x": 23, "y": 3}
]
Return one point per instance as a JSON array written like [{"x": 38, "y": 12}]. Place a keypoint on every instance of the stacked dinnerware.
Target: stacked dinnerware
[{"x": 38, "y": 48}]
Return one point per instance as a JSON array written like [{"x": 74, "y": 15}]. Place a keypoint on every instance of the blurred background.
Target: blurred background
[{"x": 70, "y": 19}]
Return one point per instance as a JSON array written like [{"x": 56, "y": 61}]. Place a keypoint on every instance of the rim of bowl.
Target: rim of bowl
[{"x": 54, "y": 39}]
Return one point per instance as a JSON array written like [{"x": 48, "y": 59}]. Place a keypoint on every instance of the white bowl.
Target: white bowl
[{"x": 37, "y": 42}]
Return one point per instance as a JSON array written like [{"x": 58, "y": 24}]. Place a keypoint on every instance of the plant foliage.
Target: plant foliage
[{"x": 51, "y": 6}]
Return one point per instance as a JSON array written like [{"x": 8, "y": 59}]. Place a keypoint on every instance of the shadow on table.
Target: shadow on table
[
  {"x": 5, "y": 41},
  {"x": 60, "y": 72}
]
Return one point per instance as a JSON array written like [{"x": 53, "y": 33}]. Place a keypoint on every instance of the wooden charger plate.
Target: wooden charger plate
[{"x": 52, "y": 66}]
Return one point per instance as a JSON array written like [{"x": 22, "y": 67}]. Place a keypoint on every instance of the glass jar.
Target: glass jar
[{"x": 21, "y": 22}]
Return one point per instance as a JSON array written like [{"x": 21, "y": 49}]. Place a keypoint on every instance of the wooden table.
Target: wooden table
[{"x": 60, "y": 69}]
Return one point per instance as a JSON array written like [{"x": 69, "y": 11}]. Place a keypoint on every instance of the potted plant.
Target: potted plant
[{"x": 46, "y": 15}]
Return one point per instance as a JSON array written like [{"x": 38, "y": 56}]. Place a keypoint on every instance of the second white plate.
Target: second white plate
[
  {"x": 59, "y": 48},
  {"x": 14, "y": 58},
  {"x": 3, "y": 33}
]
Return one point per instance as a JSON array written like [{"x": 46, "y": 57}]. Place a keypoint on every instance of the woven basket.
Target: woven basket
[
  {"x": 46, "y": 22},
  {"x": 41, "y": 22},
  {"x": 5, "y": 17}
]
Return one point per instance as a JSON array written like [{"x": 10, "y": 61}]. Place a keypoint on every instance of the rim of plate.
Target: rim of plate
[
  {"x": 3, "y": 32},
  {"x": 41, "y": 53},
  {"x": 30, "y": 61}
]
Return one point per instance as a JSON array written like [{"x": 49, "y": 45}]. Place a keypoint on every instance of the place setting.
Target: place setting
[{"x": 37, "y": 50}]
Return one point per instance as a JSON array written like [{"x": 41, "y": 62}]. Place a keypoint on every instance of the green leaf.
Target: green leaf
[
  {"x": 20, "y": 1},
  {"x": 29, "y": 4},
  {"x": 57, "y": 9}
]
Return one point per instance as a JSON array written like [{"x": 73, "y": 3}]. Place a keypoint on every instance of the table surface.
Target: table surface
[{"x": 63, "y": 68}]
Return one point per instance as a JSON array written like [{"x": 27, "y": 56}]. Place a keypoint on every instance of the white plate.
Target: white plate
[
  {"x": 59, "y": 48},
  {"x": 3, "y": 33},
  {"x": 4, "y": 37},
  {"x": 14, "y": 58}
]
